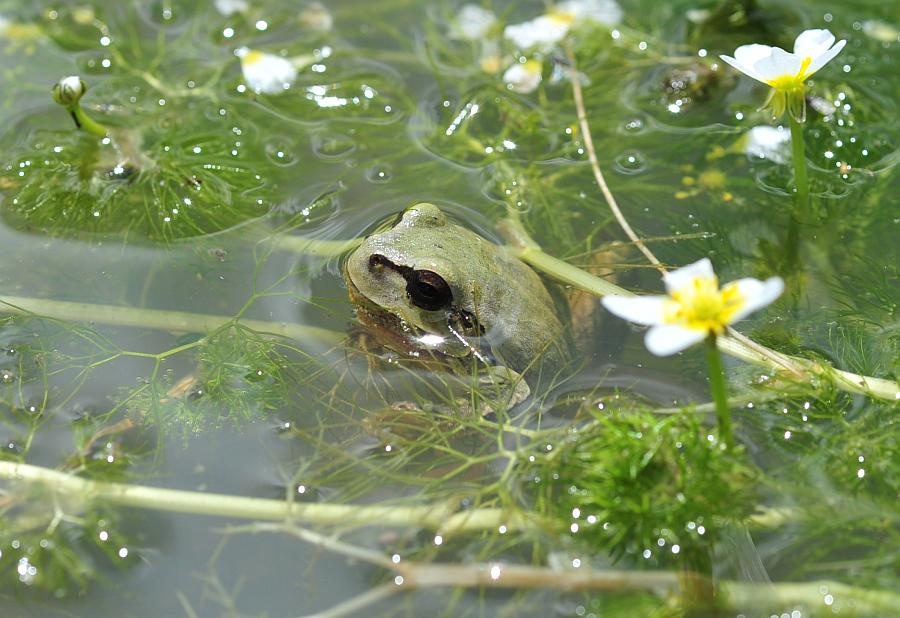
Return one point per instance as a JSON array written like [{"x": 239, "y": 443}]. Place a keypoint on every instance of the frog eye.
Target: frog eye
[{"x": 428, "y": 290}]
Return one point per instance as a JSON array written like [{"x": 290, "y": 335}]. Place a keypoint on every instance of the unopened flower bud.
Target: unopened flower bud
[{"x": 69, "y": 90}]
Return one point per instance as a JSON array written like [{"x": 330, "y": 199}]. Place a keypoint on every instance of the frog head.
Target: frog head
[{"x": 428, "y": 283}]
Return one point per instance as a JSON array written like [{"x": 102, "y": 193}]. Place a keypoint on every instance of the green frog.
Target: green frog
[{"x": 428, "y": 286}]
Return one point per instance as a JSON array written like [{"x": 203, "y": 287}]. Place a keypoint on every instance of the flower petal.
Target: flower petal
[
  {"x": 779, "y": 64},
  {"x": 266, "y": 73},
  {"x": 523, "y": 77},
  {"x": 647, "y": 310},
  {"x": 825, "y": 58},
  {"x": 230, "y": 7},
  {"x": 746, "y": 56},
  {"x": 677, "y": 279},
  {"x": 765, "y": 142},
  {"x": 757, "y": 294},
  {"x": 473, "y": 22},
  {"x": 543, "y": 31},
  {"x": 606, "y": 12},
  {"x": 667, "y": 339},
  {"x": 813, "y": 43}
]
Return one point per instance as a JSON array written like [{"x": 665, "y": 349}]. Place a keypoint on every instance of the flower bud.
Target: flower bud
[{"x": 69, "y": 90}]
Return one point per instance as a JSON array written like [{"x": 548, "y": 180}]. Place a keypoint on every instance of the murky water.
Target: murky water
[{"x": 165, "y": 323}]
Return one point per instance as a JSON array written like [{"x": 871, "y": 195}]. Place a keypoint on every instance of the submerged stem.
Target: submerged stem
[
  {"x": 85, "y": 122},
  {"x": 719, "y": 390},
  {"x": 735, "y": 344},
  {"x": 136, "y": 317},
  {"x": 595, "y": 164},
  {"x": 798, "y": 157}
]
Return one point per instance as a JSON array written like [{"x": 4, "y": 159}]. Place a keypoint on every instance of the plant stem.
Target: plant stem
[
  {"x": 719, "y": 390},
  {"x": 733, "y": 595},
  {"x": 595, "y": 164},
  {"x": 798, "y": 157},
  {"x": 440, "y": 517},
  {"x": 735, "y": 344},
  {"x": 136, "y": 317},
  {"x": 85, "y": 122}
]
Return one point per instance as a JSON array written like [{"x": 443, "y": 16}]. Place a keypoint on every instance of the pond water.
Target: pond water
[{"x": 176, "y": 329}]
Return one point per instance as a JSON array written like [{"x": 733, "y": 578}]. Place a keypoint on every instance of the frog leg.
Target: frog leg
[{"x": 503, "y": 387}]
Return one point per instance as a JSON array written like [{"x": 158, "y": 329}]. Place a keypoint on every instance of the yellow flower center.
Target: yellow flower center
[
  {"x": 252, "y": 57},
  {"x": 562, "y": 17},
  {"x": 533, "y": 67},
  {"x": 712, "y": 179},
  {"x": 791, "y": 82},
  {"x": 701, "y": 305}
]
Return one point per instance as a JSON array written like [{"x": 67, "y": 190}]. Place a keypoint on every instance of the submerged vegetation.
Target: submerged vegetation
[{"x": 180, "y": 371}]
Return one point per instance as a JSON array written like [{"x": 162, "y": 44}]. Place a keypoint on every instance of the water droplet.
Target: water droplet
[
  {"x": 379, "y": 174},
  {"x": 333, "y": 146},
  {"x": 635, "y": 125},
  {"x": 281, "y": 153},
  {"x": 630, "y": 162}
]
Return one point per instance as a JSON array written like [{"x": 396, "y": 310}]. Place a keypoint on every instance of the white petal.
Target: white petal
[
  {"x": 813, "y": 43},
  {"x": 825, "y": 58},
  {"x": 606, "y": 12},
  {"x": 543, "y": 31},
  {"x": 230, "y": 7},
  {"x": 779, "y": 64},
  {"x": 523, "y": 78},
  {"x": 677, "y": 279},
  {"x": 748, "y": 71},
  {"x": 266, "y": 73},
  {"x": 647, "y": 310},
  {"x": 878, "y": 30},
  {"x": 757, "y": 294},
  {"x": 765, "y": 142},
  {"x": 667, "y": 339},
  {"x": 473, "y": 22},
  {"x": 746, "y": 56}
]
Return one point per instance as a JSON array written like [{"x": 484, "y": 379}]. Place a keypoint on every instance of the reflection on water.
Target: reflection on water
[{"x": 167, "y": 335}]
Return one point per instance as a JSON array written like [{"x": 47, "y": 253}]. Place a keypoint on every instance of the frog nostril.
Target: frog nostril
[
  {"x": 377, "y": 262},
  {"x": 428, "y": 290}
]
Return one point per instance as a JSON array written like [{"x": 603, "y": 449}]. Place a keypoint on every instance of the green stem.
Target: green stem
[
  {"x": 719, "y": 390},
  {"x": 735, "y": 344},
  {"x": 173, "y": 321},
  {"x": 798, "y": 156},
  {"x": 441, "y": 516},
  {"x": 85, "y": 122}
]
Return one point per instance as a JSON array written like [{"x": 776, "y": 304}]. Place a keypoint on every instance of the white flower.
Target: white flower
[
  {"x": 523, "y": 77},
  {"x": 765, "y": 142},
  {"x": 881, "y": 31},
  {"x": 605, "y": 12},
  {"x": 694, "y": 308},
  {"x": 266, "y": 73},
  {"x": 547, "y": 30},
  {"x": 69, "y": 90},
  {"x": 230, "y": 7},
  {"x": 813, "y": 49},
  {"x": 316, "y": 17},
  {"x": 473, "y": 22},
  {"x": 787, "y": 72}
]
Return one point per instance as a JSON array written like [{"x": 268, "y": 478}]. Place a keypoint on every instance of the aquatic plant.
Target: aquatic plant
[
  {"x": 696, "y": 309},
  {"x": 194, "y": 378},
  {"x": 787, "y": 73}
]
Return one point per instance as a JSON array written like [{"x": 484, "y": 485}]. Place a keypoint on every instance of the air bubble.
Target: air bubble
[
  {"x": 333, "y": 146},
  {"x": 630, "y": 162}
]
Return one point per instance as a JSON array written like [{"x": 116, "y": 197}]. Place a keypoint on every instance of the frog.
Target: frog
[{"x": 430, "y": 286}]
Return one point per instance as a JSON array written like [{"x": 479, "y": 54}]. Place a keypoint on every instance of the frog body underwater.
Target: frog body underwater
[{"x": 430, "y": 285}]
